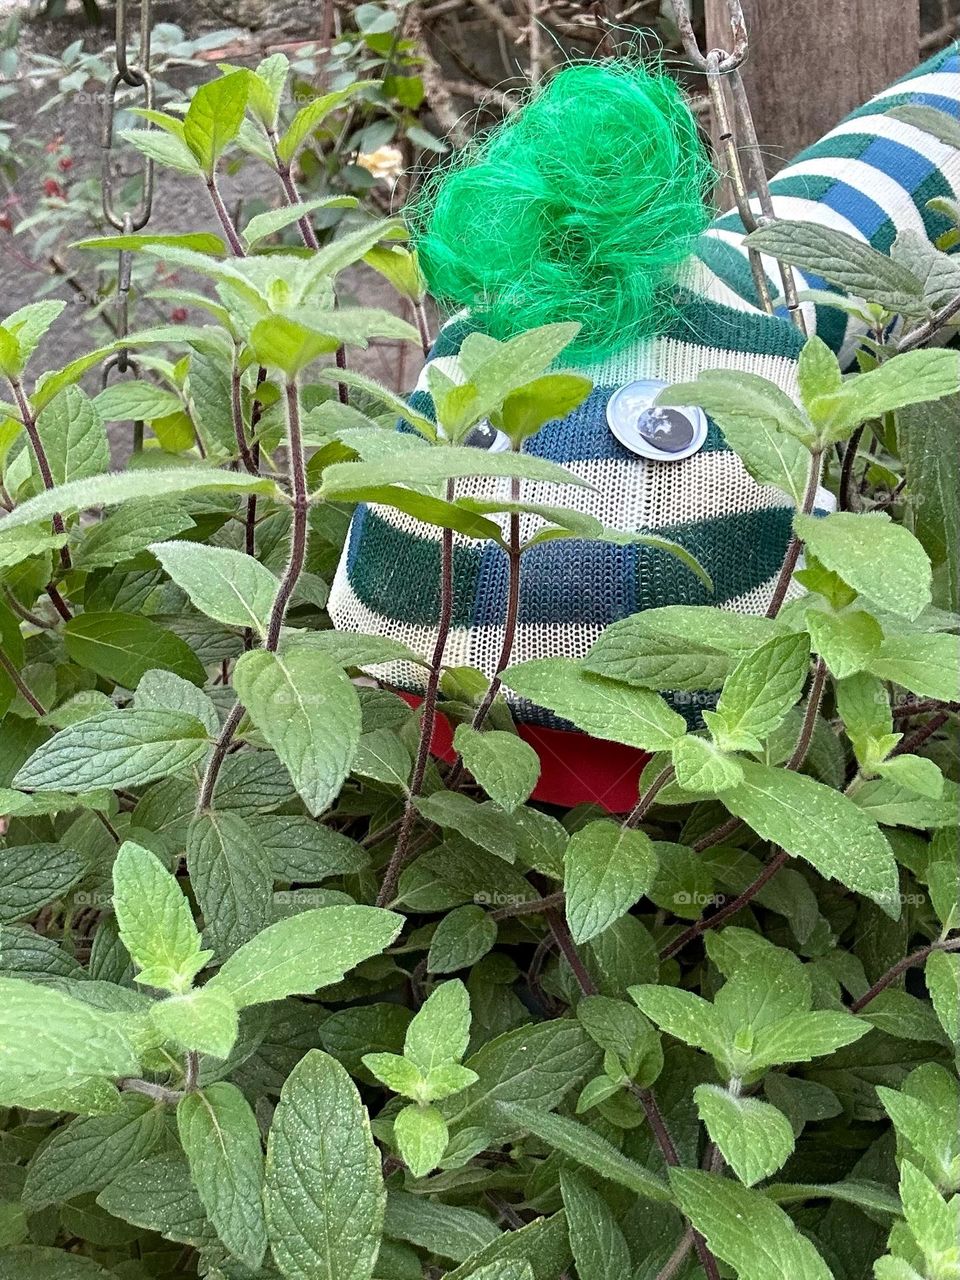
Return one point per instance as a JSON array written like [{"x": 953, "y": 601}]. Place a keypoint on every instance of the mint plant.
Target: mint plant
[{"x": 282, "y": 995}]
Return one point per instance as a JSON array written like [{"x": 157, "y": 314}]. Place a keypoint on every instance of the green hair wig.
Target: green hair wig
[{"x": 579, "y": 207}]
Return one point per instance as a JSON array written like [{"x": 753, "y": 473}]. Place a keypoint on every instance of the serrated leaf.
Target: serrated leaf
[
  {"x": 745, "y": 1229},
  {"x": 880, "y": 559},
  {"x": 214, "y": 117},
  {"x": 200, "y": 1021},
  {"x": 846, "y": 641},
  {"x": 274, "y": 220},
  {"x": 309, "y": 713},
  {"x": 232, "y": 877},
  {"x": 915, "y": 377},
  {"x": 637, "y": 717},
  {"x": 58, "y": 1053},
  {"x": 308, "y": 118},
  {"x": 925, "y": 664},
  {"x": 598, "y": 1244},
  {"x": 452, "y": 1231},
  {"x": 759, "y": 692},
  {"x": 324, "y": 1193},
  {"x": 607, "y": 868},
  {"x": 158, "y": 1195},
  {"x": 942, "y": 973},
  {"x": 432, "y": 466},
  {"x": 113, "y": 488},
  {"x": 440, "y": 1030},
  {"x": 91, "y": 1151},
  {"x": 843, "y": 259},
  {"x": 754, "y": 1138},
  {"x": 33, "y": 875},
  {"x": 123, "y": 646},
  {"x": 701, "y": 766},
  {"x": 813, "y": 822},
  {"x": 156, "y": 924},
  {"x": 504, "y": 765},
  {"x": 126, "y": 532},
  {"x": 297, "y": 955},
  {"x": 73, "y": 437},
  {"x": 421, "y": 1135},
  {"x": 536, "y": 1064},
  {"x": 225, "y": 585},
  {"x": 587, "y": 1148},
  {"x": 119, "y": 749},
  {"x": 221, "y": 1140},
  {"x": 462, "y": 937}
]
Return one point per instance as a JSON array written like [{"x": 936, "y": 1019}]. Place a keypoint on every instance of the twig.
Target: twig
[
  {"x": 226, "y": 222},
  {"x": 795, "y": 545},
  {"x": 728, "y": 909},
  {"x": 159, "y": 1092},
  {"x": 428, "y": 720},
  {"x": 529, "y": 907},
  {"x": 920, "y": 736},
  {"x": 673, "y": 1264},
  {"x": 236, "y": 413},
  {"x": 908, "y": 962},
  {"x": 923, "y": 333},
  {"x": 20, "y": 684},
  {"x": 639, "y": 811},
  {"x": 40, "y": 455}
]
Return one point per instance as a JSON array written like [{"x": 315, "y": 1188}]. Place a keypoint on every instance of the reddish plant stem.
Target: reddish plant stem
[
  {"x": 58, "y": 602},
  {"x": 531, "y": 907},
  {"x": 716, "y": 836},
  {"x": 799, "y": 753},
  {"x": 239, "y": 430},
  {"x": 33, "y": 618},
  {"x": 226, "y": 222},
  {"x": 288, "y": 582},
  {"x": 646, "y": 1098},
  {"x": 728, "y": 909},
  {"x": 908, "y": 962},
  {"x": 40, "y": 456},
  {"x": 428, "y": 712},
  {"x": 796, "y": 546},
  {"x": 639, "y": 811},
  {"x": 25, "y": 692},
  {"x": 298, "y": 529},
  {"x": 920, "y": 736}
]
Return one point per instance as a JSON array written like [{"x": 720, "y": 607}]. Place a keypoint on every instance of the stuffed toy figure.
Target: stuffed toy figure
[{"x": 588, "y": 205}]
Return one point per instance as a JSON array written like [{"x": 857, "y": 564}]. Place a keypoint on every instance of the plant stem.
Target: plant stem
[
  {"x": 20, "y": 684},
  {"x": 40, "y": 456},
  {"x": 795, "y": 546},
  {"x": 236, "y": 414},
  {"x": 288, "y": 582},
  {"x": 646, "y": 1098},
  {"x": 530, "y": 907},
  {"x": 920, "y": 736},
  {"x": 673, "y": 1264},
  {"x": 799, "y": 753},
  {"x": 727, "y": 910},
  {"x": 908, "y": 962},
  {"x": 33, "y": 618},
  {"x": 639, "y": 811},
  {"x": 926, "y": 331},
  {"x": 158, "y": 1092},
  {"x": 226, "y": 222},
  {"x": 298, "y": 528},
  {"x": 849, "y": 498},
  {"x": 428, "y": 719}
]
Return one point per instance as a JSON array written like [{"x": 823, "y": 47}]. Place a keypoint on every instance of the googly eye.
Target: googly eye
[
  {"x": 486, "y": 436},
  {"x": 659, "y": 432}
]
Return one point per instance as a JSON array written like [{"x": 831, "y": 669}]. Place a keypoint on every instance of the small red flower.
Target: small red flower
[
  {"x": 53, "y": 188},
  {"x": 179, "y": 314},
  {"x": 65, "y": 164},
  {"x": 6, "y": 222}
]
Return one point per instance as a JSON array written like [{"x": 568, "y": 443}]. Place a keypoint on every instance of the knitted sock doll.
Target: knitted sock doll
[{"x": 606, "y": 159}]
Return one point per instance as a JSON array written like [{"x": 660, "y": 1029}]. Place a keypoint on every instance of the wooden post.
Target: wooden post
[{"x": 811, "y": 62}]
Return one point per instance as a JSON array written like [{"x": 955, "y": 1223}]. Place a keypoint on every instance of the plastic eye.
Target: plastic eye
[
  {"x": 486, "y": 436},
  {"x": 663, "y": 433}
]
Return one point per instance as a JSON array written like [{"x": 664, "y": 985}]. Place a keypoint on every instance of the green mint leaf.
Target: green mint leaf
[
  {"x": 221, "y": 1139},
  {"x": 621, "y": 713},
  {"x": 323, "y": 1193},
  {"x": 309, "y": 713},
  {"x": 119, "y": 749},
  {"x": 122, "y": 647},
  {"x": 214, "y": 117},
  {"x": 847, "y": 642},
  {"x": 202, "y": 1021},
  {"x": 232, "y": 876},
  {"x": 463, "y": 936},
  {"x": 814, "y": 822},
  {"x": 440, "y": 1030},
  {"x": 606, "y": 870},
  {"x": 745, "y": 1229},
  {"x": 880, "y": 559},
  {"x": 421, "y": 1136},
  {"x": 504, "y": 765},
  {"x": 225, "y": 585},
  {"x": 599, "y": 1247},
  {"x": 33, "y": 875},
  {"x": 754, "y": 1138},
  {"x": 701, "y": 766},
  {"x": 759, "y": 692},
  {"x": 297, "y": 955},
  {"x": 156, "y": 923}
]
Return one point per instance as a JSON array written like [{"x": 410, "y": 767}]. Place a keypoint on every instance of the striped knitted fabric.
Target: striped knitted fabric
[{"x": 871, "y": 176}]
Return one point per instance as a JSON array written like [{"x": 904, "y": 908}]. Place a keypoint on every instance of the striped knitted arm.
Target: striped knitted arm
[{"x": 872, "y": 177}]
